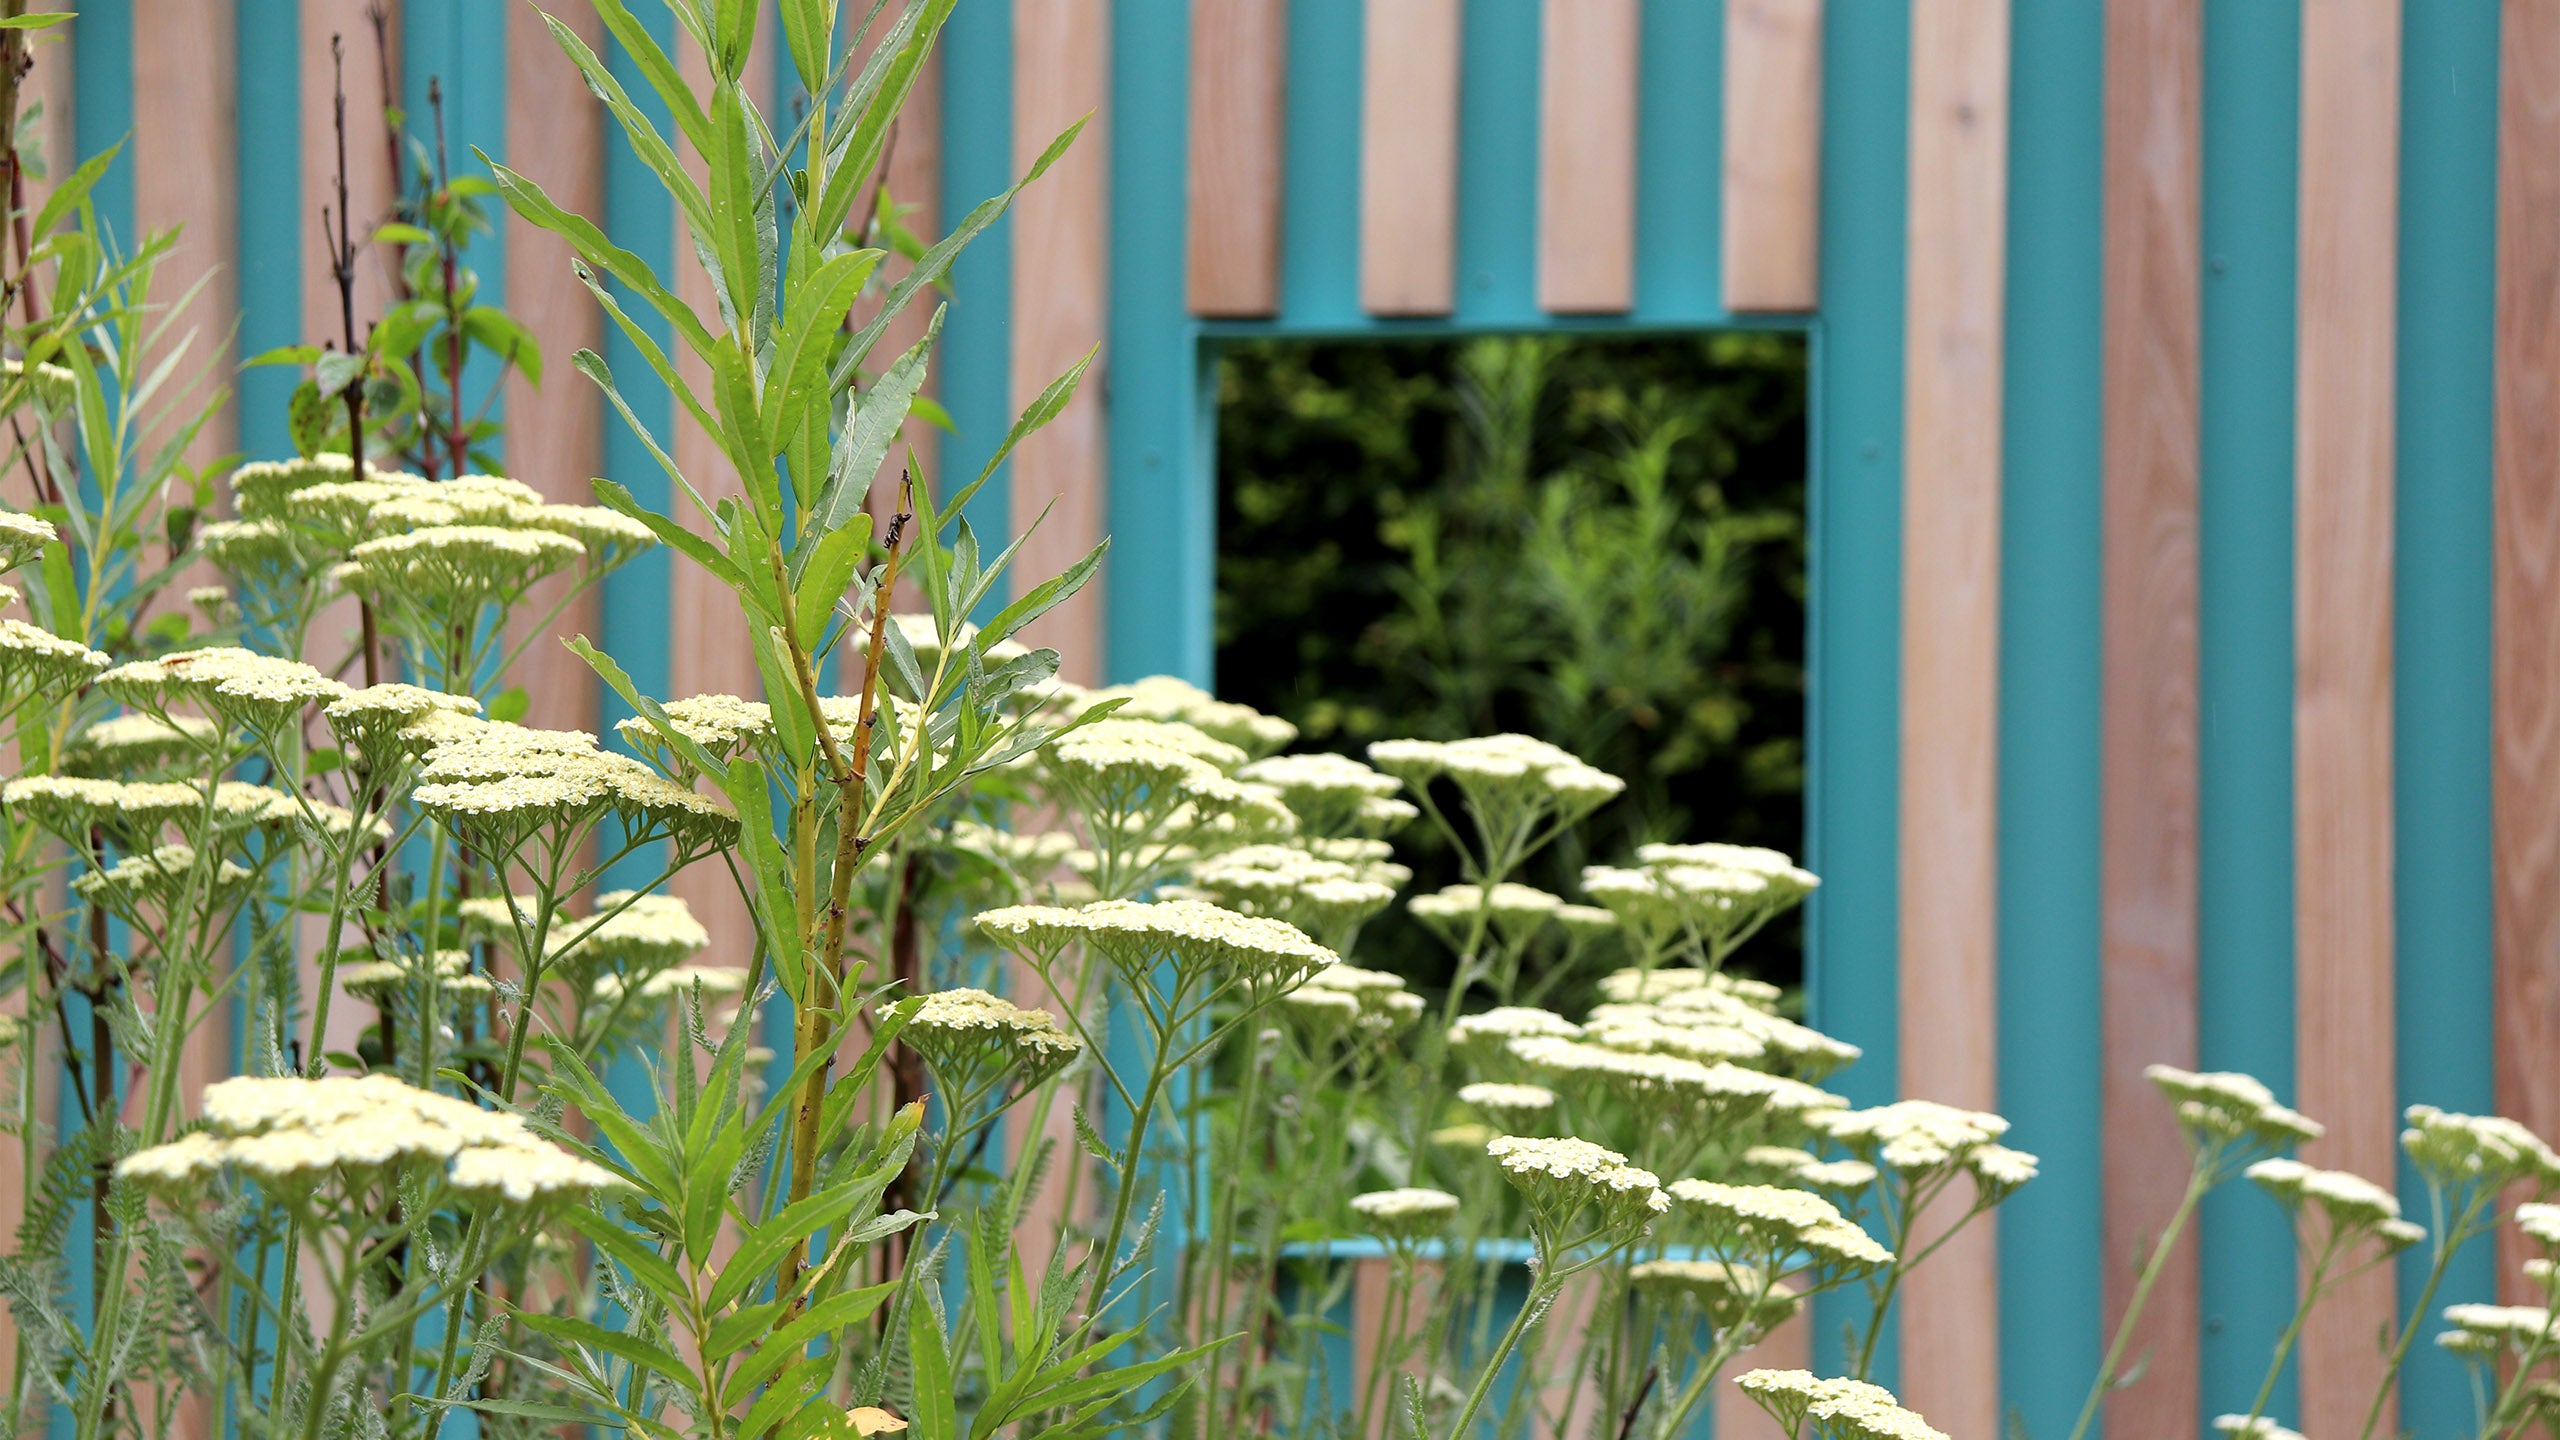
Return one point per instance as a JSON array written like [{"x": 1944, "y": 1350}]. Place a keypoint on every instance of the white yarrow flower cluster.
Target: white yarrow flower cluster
[
  {"x": 2492, "y": 1150},
  {"x": 1406, "y": 1214},
  {"x": 1577, "y": 1191},
  {"x": 1834, "y": 1409},
  {"x": 2219, "y": 1106},
  {"x": 2243, "y": 1427},
  {"x": 300, "y": 1135},
  {"x": 2350, "y": 1203},
  {"x": 1134, "y": 935},
  {"x": 1775, "y": 1220}
]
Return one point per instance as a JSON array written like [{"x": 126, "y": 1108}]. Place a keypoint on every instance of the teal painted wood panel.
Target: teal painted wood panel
[
  {"x": 2052, "y": 1261},
  {"x": 2252, "y": 61},
  {"x": 2441, "y": 723}
]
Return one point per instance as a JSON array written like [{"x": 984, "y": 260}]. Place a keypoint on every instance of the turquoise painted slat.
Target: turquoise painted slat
[
  {"x": 464, "y": 46},
  {"x": 102, "y": 113},
  {"x": 977, "y": 160},
  {"x": 2050, "y": 626},
  {"x": 270, "y": 257},
  {"x": 1497, "y": 250},
  {"x": 1679, "y": 129},
  {"x": 1163, "y": 513},
  {"x": 633, "y": 612},
  {"x": 2244, "y": 894},
  {"x": 2441, "y": 745},
  {"x": 1320, "y": 206},
  {"x": 1853, "y": 659}
]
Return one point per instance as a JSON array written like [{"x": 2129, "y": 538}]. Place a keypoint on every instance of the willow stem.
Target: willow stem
[{"x": 2199, "y": 1180}]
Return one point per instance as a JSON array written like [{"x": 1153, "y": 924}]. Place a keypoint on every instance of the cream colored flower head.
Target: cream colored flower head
[
  {"x": 2216, "y": 1106},
  {"x": 1496, "y": 1028},
  {"x": 1913, "y": 1136},
  {"x": 969, "y": 1035},
  {"x": 1509, "y": 1105},
  {"x": 1578, "y": 1191},
  {"x": 1165, "y": 697},
  {"x": 1732, "y": 1294},
  {"x": 640, "y": 932},
  {"x": 1406, "y": 1214},
  {"x": 35, "y": 663},
  {"x": 701, "y": 982},
  {"x": 128, "y": 744},
  {"x": 1135, "y": 935},
  {"x": 242, "y": 687},
  {"x": 2483, "y": 1149},
  {"x": 1771, "y": 1219},
  {"x": 301, "y": 1136},
  {"x": 155, "y": 876},
  {"x": 1833, "y": 1409},
  {"x": 22, "y": 538}
]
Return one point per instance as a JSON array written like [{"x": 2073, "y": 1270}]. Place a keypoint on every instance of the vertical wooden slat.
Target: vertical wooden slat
[
  {"x": 1409, "y": 157},
  {"x": 185, "y": 167},
  {"x": 1950, "y": 660},
  {"x": 371, "y": 182},
  {"x": 2153, "y": 227},
  {"x": 2343, "y": 497},
  {"x": 1587, "y": 156},
  {"x": 2525, "y": 752},
  {"x": 1772, "y": 154},
  {"x": 1239, "y": 91},
  {"x": 186, "y": 158},
  {"x": 1789, "y": 1347},
  {"x": 915, "y": 188},
  {"x": 709, "y": 651},
  {"x": 555, "y": 433},
  {"x": 1372, "y": 1299},
  {"x": 1772, "y": 206},
  {"x": 1062, "y": 306}
]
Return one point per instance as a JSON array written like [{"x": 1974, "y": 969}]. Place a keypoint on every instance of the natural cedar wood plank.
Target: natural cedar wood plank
[
  {"x": 1568, "y": 1398},
  {"x": 2525, "y": 725},
  {"x": 2153, "y": 245},
  {"x": 1587, "y": 156},
  {"x": 915, "y": 187},
  {"x": 1061, "y": 307},
  {"x": 555, "y": 433},
  {"x": 372, "y": 177},
  {"x": 1772, "y": 154},
  {"x": 1789, "y": 1347},
  {"x": 186, "y": 160},
  {"x": 1950, "y": 661},
  {"x": 1239, "y": 88},
  {"x": 1409, "y": 157},
  {"x": 1372, "y": 1313},
  {"x": 2343, "y": 480},
  {"x": 709, "y": 650}
]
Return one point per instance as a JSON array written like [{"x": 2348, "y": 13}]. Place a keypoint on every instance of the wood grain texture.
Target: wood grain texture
[
  {"x": 1789, "y": 1347},
  {"x": 1062, "y": 308},
  {"x": 1376, "y": 1325},
  {"x": 2525, "y": 723},
  {"x": 2153, "y": 245},
  {"x": 372, "y": 176},
  {"x": 709, "y": 650},
  {"x": 1587, "y": 86},
  {"x": 1950, "y": 661},
  {"x": 1772, "y": 155},
  {"x": 555, "y": 432},
  {"x": 2343, "y": 492},
  {"x": 186, "y": 162},
  {"x": 1409, "y": 157},
  {"x": 1239, "y": 113}
]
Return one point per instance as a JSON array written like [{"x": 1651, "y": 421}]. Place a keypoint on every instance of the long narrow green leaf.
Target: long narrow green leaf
[
  {"x": 536, "y": 205},
  {"x": 871, "y": 431},
  {"x": 1043, "y": 409},
  {"x": 865, "y": 141},
  {"x": 660, "y": 70},
  {"x": 620, "y": 1343},
  {"x": 700, "y": 551},
  {"x": 605, "y": 666},
  {"x": 646, "y": 142},
  {"x": 936, "y": 262},
  {"x": 798, "y": 377},
  {"x": 828, "y": 1316}
]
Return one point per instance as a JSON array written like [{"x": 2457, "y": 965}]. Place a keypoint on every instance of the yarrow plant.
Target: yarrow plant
[{"x": 1056, "y": 1078}]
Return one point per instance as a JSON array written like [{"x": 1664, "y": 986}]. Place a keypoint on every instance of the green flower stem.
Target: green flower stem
[
  {"x": 1392, "y": 1339},
  {"x": 2448, "y": 1241},
  {"x": 324, "y": 1372},
  {"x": 1107, "y": 1256},
  {"x": 1541, "y": 1295},
  {"x": 2293, "y": 1328},
  {"x": 2200, "y": 1179},
  {"x": 1222, "y": 1233}
]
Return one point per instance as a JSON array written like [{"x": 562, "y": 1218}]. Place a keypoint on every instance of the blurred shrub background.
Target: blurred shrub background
[{"x": 1600, "y": 542}]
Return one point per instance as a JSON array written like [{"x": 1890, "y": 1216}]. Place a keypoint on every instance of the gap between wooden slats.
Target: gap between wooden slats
[
  {"x": 2343, "y": 495},
  {"x": 710, "y": 651},
  {"x": 1772, "y": 154},
  {"x": 1950, "y": 664},
  {"x": 555, "y": 433},
  {"x": 1239, "y": 88},
  {"x": 2148, "y": 866},
  {"x": 1587, "y": 157},
  {"x": 1409, "y": 157},
  {"x": 2526, "y": 709}
]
